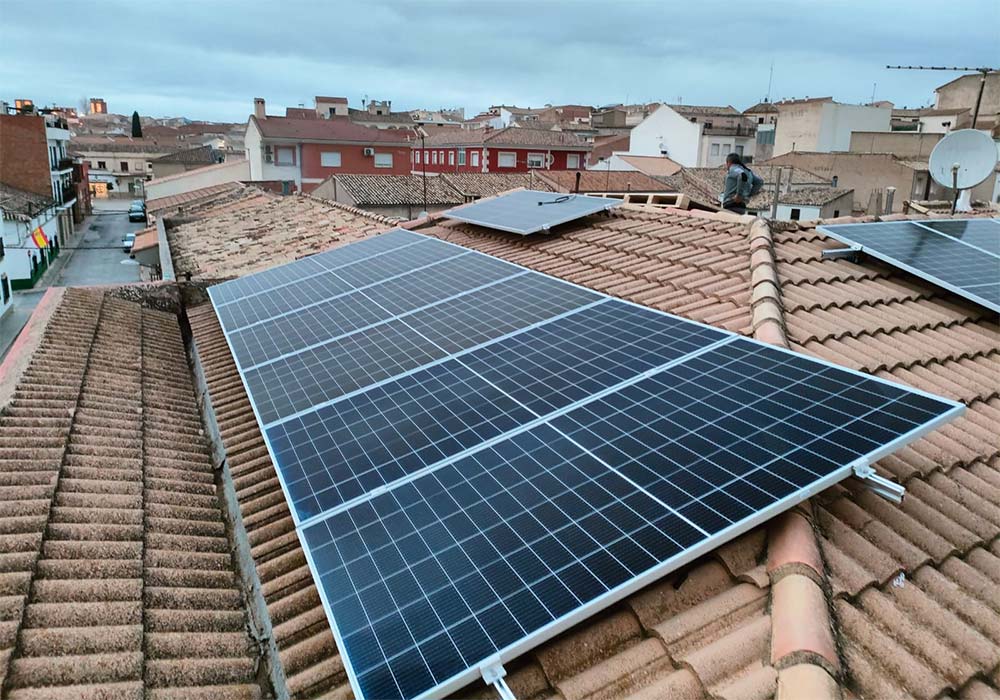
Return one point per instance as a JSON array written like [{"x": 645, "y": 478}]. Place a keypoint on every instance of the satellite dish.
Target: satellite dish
[{"x": 972, "y": 151}]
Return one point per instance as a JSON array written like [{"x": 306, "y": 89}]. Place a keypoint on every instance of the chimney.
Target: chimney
[{"x": 258, "y": 108}]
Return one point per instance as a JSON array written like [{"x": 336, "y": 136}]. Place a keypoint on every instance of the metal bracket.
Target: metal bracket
[
  {"x": 889, "y": 490},
  {"x": 493, "y": 674},
  {"x": 853, "y": 253}
]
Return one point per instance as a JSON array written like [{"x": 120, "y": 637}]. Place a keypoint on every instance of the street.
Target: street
[{"x": 94, "y": 257}]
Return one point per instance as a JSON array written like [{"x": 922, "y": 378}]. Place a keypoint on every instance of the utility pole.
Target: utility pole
[
  {"x": 423, "y": 163},
  {"x": 983, "y": 72}
]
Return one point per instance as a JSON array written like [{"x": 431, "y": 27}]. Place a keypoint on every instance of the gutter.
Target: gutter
[{"x": 166, "y": 259}]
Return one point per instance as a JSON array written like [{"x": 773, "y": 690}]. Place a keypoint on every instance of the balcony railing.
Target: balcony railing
[
  {"x": 68, "y": 194},
  {"x": 740, "y": 130}
]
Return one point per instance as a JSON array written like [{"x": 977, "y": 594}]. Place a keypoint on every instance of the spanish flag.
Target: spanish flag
[{"x": 39, "y": 237}]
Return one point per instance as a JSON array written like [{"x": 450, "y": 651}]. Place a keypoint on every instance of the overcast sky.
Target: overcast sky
[{"x": 208, "y": 59}]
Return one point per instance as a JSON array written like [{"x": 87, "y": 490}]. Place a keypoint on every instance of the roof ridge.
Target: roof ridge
[
  {"x": 353, "y": 210},
  {"x": 803, "y": 641}
]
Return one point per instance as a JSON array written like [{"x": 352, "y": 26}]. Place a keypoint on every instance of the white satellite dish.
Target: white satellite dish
[{"x": 962, "y": 160}]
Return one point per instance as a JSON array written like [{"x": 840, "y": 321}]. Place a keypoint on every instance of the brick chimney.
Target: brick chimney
[{"x": 258, "y": 108}]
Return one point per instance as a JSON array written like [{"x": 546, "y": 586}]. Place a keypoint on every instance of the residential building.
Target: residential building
[
  {"x": 6, "y": 290},
  {"x": 392, "y": 196},
  {"x": 606, "y": 146},
  {"x": 305, "y": 151},
  {"x": 42, "y": 184},
  {"x": 183, "y": 161},
  {"x": 379, "y": 114},
  {"x": 120, "y": 166},
  {"x": 821, "y": 125},
  {"x": 441, "y": 117},
  {"x": 654, "y": 166},
  {"x": 97, "y": 105},
  {"x": 694, "y": 136},
  {"x": 511, "y": 149},
  {"x": 30, "y": 231},
  {"x": 606, "y": 182},
  {"x": 608, "y": 117},
  {"x": 812, "y": 203},
  {"x": 871, "y": 174},
  {"x": 473, "y": 186},
  {"x": 962, "y": 92},
  {"x": 765, "y": 114},
  {"x": 327, "y": 107}
]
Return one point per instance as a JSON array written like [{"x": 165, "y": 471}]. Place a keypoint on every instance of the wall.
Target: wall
[
  {"x": 905, "y": 144},
  {"x": 962, "y": 93},
  {"x": 489, "y": 159},
  {"x": 24, "y": 153},
  {"x": 727, "y": 145},
  {"x": 839, "y": 120},
  {"x": 5, "y": 304},
  {"x": 862, "y": 172},
  {"x": 231, "y": 171},
  {"x": 806, "y": 212},
  {"x": 19, "y": 247},
  {"x": 353, "y": 161},
  {"x": 938, "y": 123},
  {"x": 665, "y": 132},
  {"x": 798, "y": 126}
]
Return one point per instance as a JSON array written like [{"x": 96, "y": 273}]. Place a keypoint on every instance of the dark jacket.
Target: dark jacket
[{"x": 732, "y": 186}]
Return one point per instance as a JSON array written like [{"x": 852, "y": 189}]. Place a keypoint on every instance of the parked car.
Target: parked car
[
  {"x": 127, "y": 240},
  {"x": 137, "y": 211}
]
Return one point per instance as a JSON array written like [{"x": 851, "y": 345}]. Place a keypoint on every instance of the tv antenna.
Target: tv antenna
[
  {"x": 982, "y": 80},
  {"x": 962, "y": 160}
]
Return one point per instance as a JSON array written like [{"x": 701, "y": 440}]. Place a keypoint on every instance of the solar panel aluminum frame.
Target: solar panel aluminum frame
[
  {"x": 636, "y": 583},
  {"x": 662, "y": 569},
  {"x": 451, "y": 214},
  {"x": 857, "y": 248}
]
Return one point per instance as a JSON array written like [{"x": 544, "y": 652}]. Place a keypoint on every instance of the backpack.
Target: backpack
[{"x": 744, "y": 186}]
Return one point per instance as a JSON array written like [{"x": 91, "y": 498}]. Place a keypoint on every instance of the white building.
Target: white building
[
  {"x": 27, "y": 255},
  {"x": 820, "y": 125},
  {"x": 693, "y": 136}
]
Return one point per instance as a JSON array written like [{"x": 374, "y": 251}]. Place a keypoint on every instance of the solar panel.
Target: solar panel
[
  {"x": 477, "y": 456},
  {"x": 962, "y": 256},
  {"x": 530, "y": 211}
]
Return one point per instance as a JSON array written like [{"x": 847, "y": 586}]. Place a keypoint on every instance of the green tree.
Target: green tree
[{"x": 136, "y": 126}]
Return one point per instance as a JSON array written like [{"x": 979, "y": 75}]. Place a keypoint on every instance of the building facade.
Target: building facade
[
  {"x": 120, "y": 166},
  {"x": 824, "y": 126},
  {"x": 305, "y": 151},
  {"x": 507, "y": 150}
]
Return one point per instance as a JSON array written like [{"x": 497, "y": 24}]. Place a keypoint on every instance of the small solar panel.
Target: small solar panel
[
  {"x": 962, "y": 256},
  {"x": 530, "y": 211},
  {"x": 477, "y": 456}
]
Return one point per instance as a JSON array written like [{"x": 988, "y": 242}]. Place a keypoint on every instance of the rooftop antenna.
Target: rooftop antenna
[
  {"x": 770, "y": 80},
  {"x": 874, "y": 85},
  {"x": 962, "y": 160},
  {"x": 983, "y": 72}
]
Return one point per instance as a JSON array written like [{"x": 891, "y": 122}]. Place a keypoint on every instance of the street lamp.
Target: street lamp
[{"x": 423, "y": 164}]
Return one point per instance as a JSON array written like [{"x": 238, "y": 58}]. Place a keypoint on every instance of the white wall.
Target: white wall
[
  {"x": 260, "y": 170},
  {"x": 806, "y": 213},
  {"x": 233, "y": 171},
  {"x": 938, "y": 123},
  {"x": 837, "y": 121},
  {"x": 19, "y": 246},
  {"x": 665, "y": 132},
  {"x": 614, "y": 163}
]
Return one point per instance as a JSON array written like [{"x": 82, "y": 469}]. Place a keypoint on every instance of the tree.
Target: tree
[{"x": 136, "y": 126}]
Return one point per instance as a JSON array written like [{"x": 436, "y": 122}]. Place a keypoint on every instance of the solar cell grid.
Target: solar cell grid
[
  {"x": 959, "y": 255},
  {"x": 528, "y": 211},
  {"x": 337, "y": 316}
]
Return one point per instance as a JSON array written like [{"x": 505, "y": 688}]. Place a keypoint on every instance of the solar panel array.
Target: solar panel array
[
  {"x": 961, "y": 255},
  {"x": 530, "y": 211},
  {"x": 477, "y": 456}
]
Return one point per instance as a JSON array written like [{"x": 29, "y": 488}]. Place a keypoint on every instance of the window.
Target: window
[
  {"x": 417, "y": 161},
  {"x": 739, "y": 151},
  {"x": 475, "y": 159},
  {"x": 329, "y": 159},
  {"x": 383, "y": 160},
  {"x": 461, "y": 156},
  {"x": 708, "y": 125},
  {"x": 573, "y": 161},
  {"x": 714, "y": 150},
  {"x": 102, "y": 165},
  {"x": 796, "y": 213},
  {"x": 124, "y": 166},
  {"x": 536, "y": 160},
  {"x": 506, "y": 160},
  {"x": 836, "y": 213},
  {"x": 833, "y": 181},
  {"x": 441, "y": 157},
  {"x": 434, "y": 157},
  {"x": 284, "y": 155},
  {"x": 5, "y": 285},
  {"x": 760, "y": 120},
  {"x": 451, "y": 157}
]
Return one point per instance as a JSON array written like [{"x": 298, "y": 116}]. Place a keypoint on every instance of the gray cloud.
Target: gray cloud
[{"x": 209, "y": 59}]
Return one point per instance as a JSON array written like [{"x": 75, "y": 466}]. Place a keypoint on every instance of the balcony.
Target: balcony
[
  {"x": 68, "y": 196},
  {"x": 739, "y": 130}
]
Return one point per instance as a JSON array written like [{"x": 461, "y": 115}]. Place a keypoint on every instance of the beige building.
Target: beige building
[
  {"x": 822, "y": 125},
  {"x": 119, "y": 166},
  {"x": 905, "y": 144},
  {"x": 961, "y": 93}
]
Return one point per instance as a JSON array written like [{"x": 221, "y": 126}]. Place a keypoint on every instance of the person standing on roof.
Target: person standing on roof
[{"x": 741, "y": 184}]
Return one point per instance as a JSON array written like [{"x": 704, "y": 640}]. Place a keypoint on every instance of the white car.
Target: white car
[{"x": 127, "y": 240}]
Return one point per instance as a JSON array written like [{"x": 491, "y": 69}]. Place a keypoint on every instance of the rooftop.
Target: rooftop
[
  {"x": 705, "y": 110},
  {"x": 390, "y": 190},
  {"x": 508, "y": 136},
  {"x": 655, "y": 166},
  {"x": 813, "y": 195},
  {"x": 21, "y": 204},
  {"x": 335, "y": 129},
  {"x": 604, "y": 181},
  {"x": 194, "y": 197},
  {"x": 191, "y": 156},
  {"x": 489, "y": 184}
]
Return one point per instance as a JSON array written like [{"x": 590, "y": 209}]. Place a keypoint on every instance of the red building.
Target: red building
[
  {"x": 307, "y": 149},
  {"x": 508, "y": 150}
]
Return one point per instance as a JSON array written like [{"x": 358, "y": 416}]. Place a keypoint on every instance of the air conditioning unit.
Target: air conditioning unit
[
  {"x": 267, "y": 154},
  {"x": 369, "y": 151}
]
